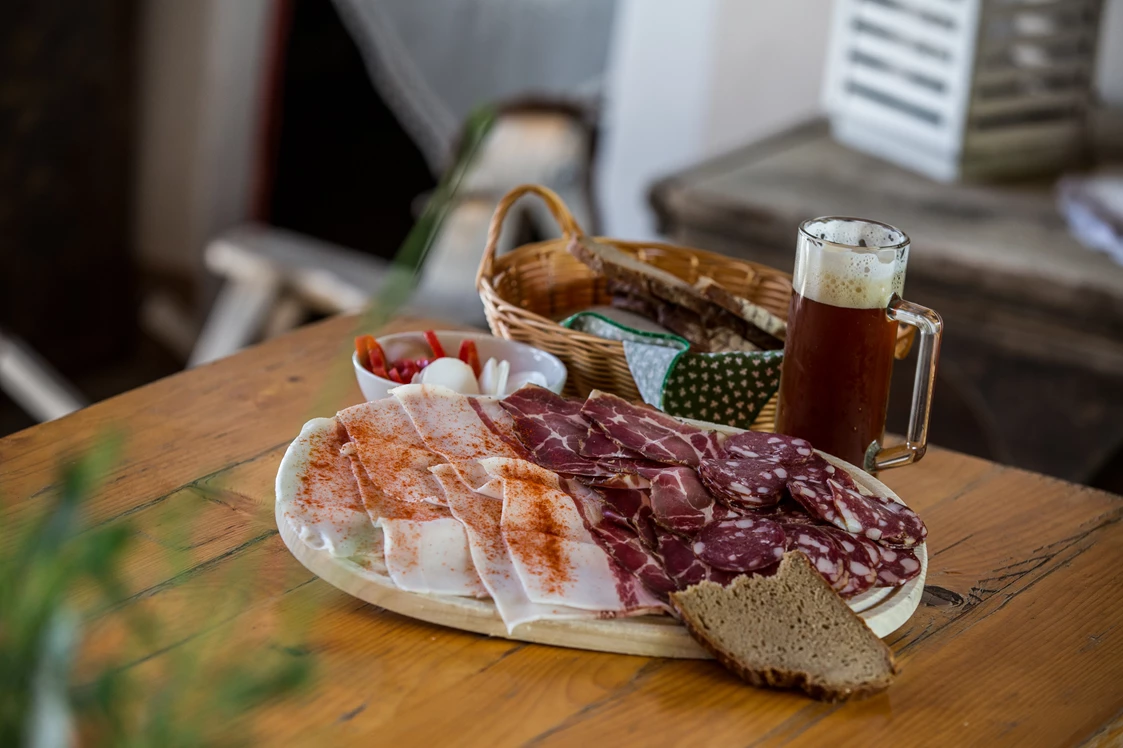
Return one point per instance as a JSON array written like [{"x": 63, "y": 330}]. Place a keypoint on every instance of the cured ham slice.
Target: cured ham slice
[
  {"x": 631, "y": 507},
  {"x": 679, "y": 501},
  {"x": 598, "y": 446},
  {"x": 740, "y": 545},
  {"x": 449, "y": 426},
  {"x": 392, "y": 454},
  {"x": 654, "y": 435},
  {"x": 552, "y": 429},
  {"x": 744, "y": 484},
  {"x": 327, "y": 510},
  {"x": 777, "y": 449},
  {"x": 554, "y": 554},
  {"x": 499, "y": 421},
  {"x": 481, "y": 517},
  {"x": 621, "y": 542}
]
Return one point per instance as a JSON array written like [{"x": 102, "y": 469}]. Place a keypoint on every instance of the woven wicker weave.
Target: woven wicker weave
[{"x": 528, "y": 290}]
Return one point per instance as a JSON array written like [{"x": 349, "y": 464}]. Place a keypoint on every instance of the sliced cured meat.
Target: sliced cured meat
[
  {"x": 865, "y": 515},
  {"x": 621, "y": 542},
  {"x": 449, "y": 426},
  {"x": 740, "y": 545},
  {"x": 679, "y": 501},
  {"x": 552, "y": 429},
  {"x": 499, "y": 421},
  {"x": 862, "y": 560},
  {"x": 327, "y": 510},
  {"x": 481, "y": 517},
  {"x": 744, "y": 484},
  {"x": 431, "y": 556},
  {"x": 898, "y": 565},
  {"x": 598, "y": 446},
  {"x": 911, "y": 521},
  {"x": 821, "y": 549},
  {"x": 683, "y": 566},
  {"x": 619, "y": 480},
  {"x": 808, "y": 487},
  {"x": 391, "y": 456},
  {"x": 554, "y": 554},
  {"x": 654, "y": 435},
  {"x": 815, "y": 498},
  {"x": 775, "y": 448}
]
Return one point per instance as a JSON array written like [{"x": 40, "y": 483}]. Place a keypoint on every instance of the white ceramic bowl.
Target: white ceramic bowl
[{"x": 412, "y": 345}]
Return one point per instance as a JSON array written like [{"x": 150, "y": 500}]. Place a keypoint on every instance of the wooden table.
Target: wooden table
[
  {"x": 1019, "y": 639},
  {"x": 1031, "y": 372}
]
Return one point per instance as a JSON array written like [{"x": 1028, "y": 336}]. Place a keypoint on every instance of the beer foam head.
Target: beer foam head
[{"x": 850, "y": 263}]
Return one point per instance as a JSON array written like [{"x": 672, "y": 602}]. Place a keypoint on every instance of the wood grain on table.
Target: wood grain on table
[{"x": 1019, "y": 639}]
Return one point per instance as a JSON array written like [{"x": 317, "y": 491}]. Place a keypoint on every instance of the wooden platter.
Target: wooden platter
[{"x": 884, "y": 609}]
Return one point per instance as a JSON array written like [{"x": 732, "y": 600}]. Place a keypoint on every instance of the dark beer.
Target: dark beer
[{"x": 835, "y": 386}]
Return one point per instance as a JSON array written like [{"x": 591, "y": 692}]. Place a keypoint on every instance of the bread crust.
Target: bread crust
[{"x": 778, "y": 677}]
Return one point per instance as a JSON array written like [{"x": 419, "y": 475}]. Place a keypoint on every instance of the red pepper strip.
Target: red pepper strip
[
  {"x": 393, "y": 375},
  {"x": 377, "y": 364},
  {"x": 431, "y": 338},
  {"x": 469, "y": 355},
  {"x": 377, "y": 358},
  {"x": 362, "y": 350}
]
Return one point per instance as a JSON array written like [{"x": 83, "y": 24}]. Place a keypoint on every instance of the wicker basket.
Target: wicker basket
[{"x": 528, "y": 290}]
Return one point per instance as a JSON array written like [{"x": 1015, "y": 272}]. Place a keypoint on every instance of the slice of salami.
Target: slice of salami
[
  {"x": 898, "y": 565},
  {"x": 809, "y": 487},
  {"x": 744, "y": 484},
  {"x": 913, "y": 525},
  {"x": 815, "y": 498},
  {"x": 861, "y": 561},
  {"x": 741, "y": 545},
  {"x": 865, "y": 515},
  {"x": 774, "y": 448},
  {"x": 823, "y": 552},
  {"x": 683, "y": 566}
]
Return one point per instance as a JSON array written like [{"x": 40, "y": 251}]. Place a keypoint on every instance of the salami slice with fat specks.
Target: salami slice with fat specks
[
  {"x": 821, "y": 549},
  {"x": 740, "y": 545},
  {"x": 683, "y": 566},
  {"x": 774, "y": 448},
  {"x": 808, "y": 486},
  {"x": 862, "y": 560},
  {"x": 864, "y": 515},
  {"x": 898, "y": 565},
  {"x": 744, "y": 483}
]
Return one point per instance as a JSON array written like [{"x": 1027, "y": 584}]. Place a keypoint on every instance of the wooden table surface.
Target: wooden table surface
[{"x": 1018, "y": 641}]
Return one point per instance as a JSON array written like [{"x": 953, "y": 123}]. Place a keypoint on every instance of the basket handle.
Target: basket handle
[{"x": 566, "y": 222}]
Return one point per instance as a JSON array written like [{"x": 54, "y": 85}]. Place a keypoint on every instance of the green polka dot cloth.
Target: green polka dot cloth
[{"x": 729, "y": 388}]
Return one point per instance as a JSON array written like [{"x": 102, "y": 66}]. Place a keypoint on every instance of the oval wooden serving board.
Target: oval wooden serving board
[{"x": 884, "y": 610}]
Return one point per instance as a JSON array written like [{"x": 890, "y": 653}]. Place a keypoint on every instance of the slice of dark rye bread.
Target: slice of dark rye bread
[{"x": 788, "y": 630}]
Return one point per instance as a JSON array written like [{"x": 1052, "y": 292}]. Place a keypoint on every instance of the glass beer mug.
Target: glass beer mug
[{"x": 842, "y": 331}]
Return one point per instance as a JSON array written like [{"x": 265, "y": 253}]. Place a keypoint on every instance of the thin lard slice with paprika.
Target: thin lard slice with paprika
[
  {"x": 392, "y": 453},
  {"x": 481, "y": 516},
  {"x": 431, "y": 556},
  {"x": 448, "y": 425},
  {"x": 554, "y": 554}
]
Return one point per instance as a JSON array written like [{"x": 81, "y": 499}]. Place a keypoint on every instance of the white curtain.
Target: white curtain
[{"x": 433, "y": 61}]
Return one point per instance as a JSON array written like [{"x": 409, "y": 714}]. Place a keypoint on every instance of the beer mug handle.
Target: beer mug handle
[{"x": 930, "y": 326}]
